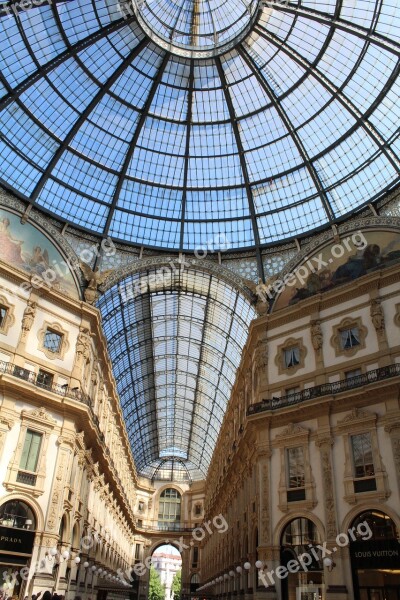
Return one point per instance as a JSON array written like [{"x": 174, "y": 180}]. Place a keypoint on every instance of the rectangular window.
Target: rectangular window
[
  {"x": 295, "y": 467},
  {"x": 349, "y": 338},
  {"x": 3, "y": 315},
  {"x": 195, "y": 557},
  {"x": 291, "y": 356},
  {"x": 44, "y": 379},
  {"x": 137, "y": 551},
  {"x": 354, "y": 373},
  {"x": 52, "y": 341},
  {"x": 362, "y": 455},
  {"x": 30, "y": 453},
  {"x": 292, "y": 391}
]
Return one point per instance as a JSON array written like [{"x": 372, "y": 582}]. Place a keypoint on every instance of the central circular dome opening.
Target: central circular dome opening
[{"x": 196, "y": 28}]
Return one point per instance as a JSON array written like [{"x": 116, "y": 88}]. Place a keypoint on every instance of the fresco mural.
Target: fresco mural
[
  {"x": 379, "y": 249},
  {"x": 25, "y": 247}
]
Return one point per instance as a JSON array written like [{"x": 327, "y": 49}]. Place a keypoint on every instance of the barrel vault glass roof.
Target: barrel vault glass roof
[
  {"x": 175, "y": 342},
  {"x": 171, "y": 121}
]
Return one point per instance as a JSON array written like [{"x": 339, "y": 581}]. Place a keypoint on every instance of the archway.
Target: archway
[
  {"x": 165, "y": 573},
  {"x": 299, "y": 538},
  {"x": 17, "y": 533},
  {"x": 375, "y": 556}
]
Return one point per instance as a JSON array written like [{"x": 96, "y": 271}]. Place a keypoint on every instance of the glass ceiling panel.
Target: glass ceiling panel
[
  {"x": 175, "y": 350},
  {"x": 175, "y": 122}
]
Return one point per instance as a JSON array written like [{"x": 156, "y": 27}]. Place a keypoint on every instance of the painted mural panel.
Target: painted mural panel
[
  {"x": 340, "y": 263},
  {"x": 26, "y": 248}
]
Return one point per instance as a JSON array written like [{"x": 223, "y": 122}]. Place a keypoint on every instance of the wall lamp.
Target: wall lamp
[{"x": 328, "y": 563}]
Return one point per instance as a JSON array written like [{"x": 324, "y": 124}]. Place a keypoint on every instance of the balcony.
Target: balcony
[
  {"x": 161, "y": 526},
  {"x": 326, "y": 389},
  {"x": 32, "y": 377}
]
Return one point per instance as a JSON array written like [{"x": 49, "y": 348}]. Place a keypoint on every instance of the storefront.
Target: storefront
[
  {"x": 300, "y": 537},
  {"x": 375, "y": 561},
  {"x": 17, "y": 534}
]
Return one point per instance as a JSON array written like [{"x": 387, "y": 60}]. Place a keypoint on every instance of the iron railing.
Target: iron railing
[
  {"x": 159, "y": 526},
  {"x": 326, "y": 389},
  {"x": 32, "y": 377}
]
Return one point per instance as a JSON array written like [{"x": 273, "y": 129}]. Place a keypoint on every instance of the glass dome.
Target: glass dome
[
  {"x": 288, "y": 122},
  {"x": 195, "y": 28}
]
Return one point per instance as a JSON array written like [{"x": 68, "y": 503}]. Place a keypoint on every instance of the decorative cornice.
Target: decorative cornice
[
  {"x": 139, "y": 265},
  {"x": 40, "y": 415}
]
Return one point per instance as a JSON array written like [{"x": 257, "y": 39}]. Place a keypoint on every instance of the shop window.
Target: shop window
[
  {"x": 297, "y": 538},
  {"x": 29, "y": 458},
  {"x": 52, "y": 341},
  {"x": 44, "y": 379},
  {"x": 17, "y": 514},
  {"x": 374, "y": 555}
]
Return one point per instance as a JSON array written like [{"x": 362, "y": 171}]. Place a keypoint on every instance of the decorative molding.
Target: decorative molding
[
  {"x": 39, "y": 416},
  {"x": 357, "y": 417},
  {"x": 140, "y": 265},
  {"x": 292, "y": 431},
  {"x": 325, "y": 443},
  {"x": 28, "y": 318}
]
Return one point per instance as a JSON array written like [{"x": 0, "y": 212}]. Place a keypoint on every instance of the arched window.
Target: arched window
[
  {"x": 169, "y": 510},
  {"x": 297, "y": 537},
  {"x": 380, "y": 524},
  {"x": 17, "y": 514},
  {"x": 300, "y": 532}
]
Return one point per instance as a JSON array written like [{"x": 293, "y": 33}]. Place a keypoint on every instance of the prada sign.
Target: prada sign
[
  {"x": 16, "y": 540},
  {"x": 374, "y": 554}
]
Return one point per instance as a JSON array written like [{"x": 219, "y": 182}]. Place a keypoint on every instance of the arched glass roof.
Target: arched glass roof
[
  {"x": 175, "y": 341},
  {"x": 286, "y": 121}
]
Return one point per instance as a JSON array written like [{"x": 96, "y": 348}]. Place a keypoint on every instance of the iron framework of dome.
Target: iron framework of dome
[
  {"x": 175, "y": 349},
  {"x": 179, "y": 124},
  {"x": 288, "y": 121}
]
